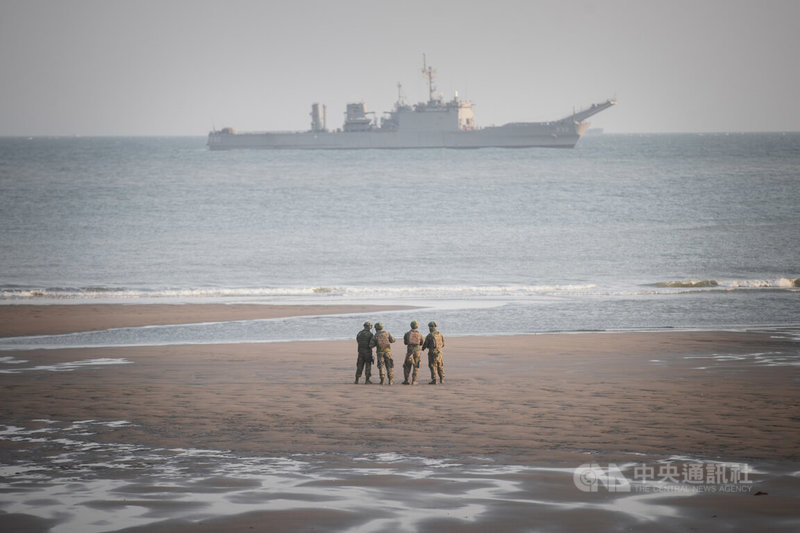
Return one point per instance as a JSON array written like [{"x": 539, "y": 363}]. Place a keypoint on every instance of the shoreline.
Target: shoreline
[
  {"x": 538, "y": 403},
  {"x": 36, "y": 319},
  {"x": 20, "y": 320}
]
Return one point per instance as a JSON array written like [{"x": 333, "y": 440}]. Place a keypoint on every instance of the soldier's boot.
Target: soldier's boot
[
  {"x": 414, "y": 377},
  {"x": 405, "y": 373},
  {"x": 381, "y": 379},
  {"x": 367, "y": 381},
  {"x": 390, "y": 376}
]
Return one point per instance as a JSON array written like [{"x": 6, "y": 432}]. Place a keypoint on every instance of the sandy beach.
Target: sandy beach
[
  {"x": 520, "y": 411},
  {"x": 16, "y": 320}
]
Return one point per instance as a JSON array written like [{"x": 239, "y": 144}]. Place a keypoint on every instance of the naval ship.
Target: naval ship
[{"x": 433, "y": 124}]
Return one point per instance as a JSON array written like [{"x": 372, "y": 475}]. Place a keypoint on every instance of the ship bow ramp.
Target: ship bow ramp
[{"x": 592, "y": 110}]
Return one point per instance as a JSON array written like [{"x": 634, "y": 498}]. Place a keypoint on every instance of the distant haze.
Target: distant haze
[{"x": 181, "y": 67}]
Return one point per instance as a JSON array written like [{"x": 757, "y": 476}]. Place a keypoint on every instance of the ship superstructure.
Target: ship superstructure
[{"x": 433, "y": 124}]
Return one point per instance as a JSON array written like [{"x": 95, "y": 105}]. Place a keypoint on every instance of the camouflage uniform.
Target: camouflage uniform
[
  {"x": 434, "y": 343},
  {"x": 365, "y": 358},
  {"x": 382, "y": 340},
  {"x": 413, "y": 340}
]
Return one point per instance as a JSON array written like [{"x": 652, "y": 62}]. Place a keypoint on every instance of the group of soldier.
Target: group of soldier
[{"x": 382, "y": 341}]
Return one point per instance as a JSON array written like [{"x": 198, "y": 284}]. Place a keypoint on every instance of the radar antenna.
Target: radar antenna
[
  {"x": 401, "y": 99},
  {"x": 428, "y": 72}
]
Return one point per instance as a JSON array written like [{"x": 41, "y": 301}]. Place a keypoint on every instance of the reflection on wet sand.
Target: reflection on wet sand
[{"x": 91, "y": 486}]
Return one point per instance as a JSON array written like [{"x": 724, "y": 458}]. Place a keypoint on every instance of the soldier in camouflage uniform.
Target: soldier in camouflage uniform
[
  {"x": 413, "y": 340},
  {"x": 434, "y": 343},
  {"x": 382, "y": 341},
  {"x": 365, "y": 358}
]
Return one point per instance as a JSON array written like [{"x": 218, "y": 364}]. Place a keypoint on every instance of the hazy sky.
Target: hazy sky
[{"x": 179, "y": 67}]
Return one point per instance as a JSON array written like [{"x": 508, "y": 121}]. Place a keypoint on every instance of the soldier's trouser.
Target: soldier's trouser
[
  {"x": 411, "y": 362},
  {"x": 386, "y": 365},
  {"x": 436, "y": 364},
  {"x": 364, "y": 364}
]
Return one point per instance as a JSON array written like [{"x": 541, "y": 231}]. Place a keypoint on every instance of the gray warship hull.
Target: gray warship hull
[
  {"x": 432, "y": 124},
  {"x": 517, "y": 135}
]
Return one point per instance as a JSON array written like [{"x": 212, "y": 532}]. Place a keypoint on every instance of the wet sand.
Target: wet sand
[
  {"x": 18, "y": 320},
  {"x": 519, "y": 414}
]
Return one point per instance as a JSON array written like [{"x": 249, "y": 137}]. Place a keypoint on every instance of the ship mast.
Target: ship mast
[{"x": 428, "y": 72}]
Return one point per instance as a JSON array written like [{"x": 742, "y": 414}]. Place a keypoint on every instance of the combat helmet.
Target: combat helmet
[
  {"x": 368, "y": 325},
  {"x": 378, "y": 326},
  {"x": 414, "y": 324},
  {"x": 432, "y": 324}
]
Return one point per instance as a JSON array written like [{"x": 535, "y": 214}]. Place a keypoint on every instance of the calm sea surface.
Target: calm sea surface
[{"x": 623, "y": 232}]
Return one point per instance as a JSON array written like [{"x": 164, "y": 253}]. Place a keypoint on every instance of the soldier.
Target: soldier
[
  {"x": 382, "y": 340},
  {"x": 434, "y": 343},
  {"x": 365, "y": 358},
  {"x": 413, "y": 340}
]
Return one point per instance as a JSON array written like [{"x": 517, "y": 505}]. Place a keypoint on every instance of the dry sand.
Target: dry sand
[{"x": 536, "y": 400}]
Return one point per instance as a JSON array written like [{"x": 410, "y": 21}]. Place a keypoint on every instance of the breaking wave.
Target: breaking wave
[
  {"x": 356, "y": 292},
  {"x": 781, "y": 283},
  {"x": 322, "y": 293},
  {"x": 690, "y": 284}
]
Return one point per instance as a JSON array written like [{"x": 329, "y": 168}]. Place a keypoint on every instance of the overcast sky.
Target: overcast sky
[{"x": 180, "y": 67}]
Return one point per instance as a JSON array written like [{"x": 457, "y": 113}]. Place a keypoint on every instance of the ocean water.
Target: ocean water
[{"x": 624, "y": 232}]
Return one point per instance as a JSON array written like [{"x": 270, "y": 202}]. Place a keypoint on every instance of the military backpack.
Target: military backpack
[
  {"x": 437, "y": 343},
  {"x": 382, "y": 340}
]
